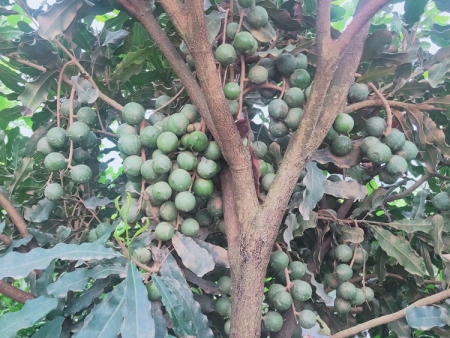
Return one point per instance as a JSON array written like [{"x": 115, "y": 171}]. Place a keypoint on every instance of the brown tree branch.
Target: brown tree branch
[
  {"x": 392, "y": 316},
  {"x": 359, "y": 21},
  {"x": 230, "y": 212},
  {"x": 377, "y": 102},
  {"x": 14, "y": 293},
  {"x": 408, "y": 191},
  {"x": 323, "y": 23},
  {"x": 16, "y": 217},
  {"x": 140, "y": 9},
  {"x": 5, "y": 239},
  {"x": 387, "y": 107}
]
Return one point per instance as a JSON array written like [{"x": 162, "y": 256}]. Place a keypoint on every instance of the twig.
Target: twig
[
  {"x": 58, "y": 93},
  {"x": 241, "y": 85},
  {"x": 98, "y": 116},
  {"x": 283, "y": 88},
  {"x": 386, "y": 105},
  {"x": 139, "y": 264},
  {"x": 5, "y": 239},
  {"x": 224, "y": 33},
  {"x": 408, "y": 191},
  {"x": 14, "y": 293},
  {"x": 16, "y": 218},
  {"x": 241, "y": 19},
  {"x": 27, "y": 63},
  {"x": 392, "y": 316},
  {"x": 264, "y": 85},
  {"x": 170, "y": 101}
]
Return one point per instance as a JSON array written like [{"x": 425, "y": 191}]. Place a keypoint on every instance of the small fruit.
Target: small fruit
[
  {"x": 88, "y": 116},
  {"x": 80, "y": 155},
  {"x": 343, "y": 272},
  {"x": 232, "y": 90},
  {"x": 53, "y": 192},
  {"x": 177, "y": 123},
  {"x": 81, "y": 174},
  {"x": 197, "y": 141},
  {"x": 65, "y": 107},
  {"x": 148, "y": 172},
  {"x": 55, "y": 162},
  {"x": 186, "y": 160},
  {"x": 408, "y": 151},
  {"x": 203, "y": 188},
  {"x": 368, "y": 292},
  {"x": 232, "y": 30},
  {"x": 257, "y": 16},
  {"x": 215, "y": 206},
  {"x": 273, "y": 321},
  {"x": 274, "y": 289},
  {"x": 190, "y": 227},
  {"x": 282, "y": 300},
  {"x": 279, "y": 260},
  {"x": 343, "y": 253},
  {"x": 133, "y": 113},
  {"x": 185, "y": 201},
  {"x": 161, "y": 102},
  {"x": 161, "y": 164},
  {"x": 204, "y": 218},
  {"x": 224, "y": 284},
  {"x": 168, "y": 211},
  {"x": 258, "y": 75},
  {"x": 293, "y": 118},
  {"x": 301, "y": 290},
  {"x": 387, "y": 177},
  {"x": 359, "y": 298},
  {"x": 346, "y": 291},
  {"x": 57, "y": 138},
  {"x": 245, "y": 43},
  {"x": 302, "y": 61},
  {"x": 223, "y": 306},
  {"x": 42, "y": 146},
  {"x": 78, "y": 131},
  {"x": 132, "y": 166},
  {"x": 341, "y": 306},
  {"x": 161, "y": 191},
  {"x": 179, "y": 180},
  {"x": 330, "y": 281},
  {"x": 142, "y": 255},
  {"x": 358, "y": 92},
  {"x": 379, "y": 153},
  {"x": 343, "y": 124},
  {"x": 207, "y": 168},
  {"x": 396, "y": 165},
  {"x": 286, "y": 63},
  {"x": 297, "y": 269},
  {"x": 129, "y": 144},
  {"x": 213, "y": 151},
  {"x": 226, "y": 54},
  {"x": 269, "y": 64},
  {"x": 298, "y": 332},
  {"x": 152, "y": 291},
  {"x": 278, "y": 109},
  {"x": 442, "y": 201},
  {"x": 191, "y": 112},
  {"x": 331, "y": 135},
  {"x": 125, "y": 128},
  {"x": 233, "y": 106},
  {"x": 294, "y": 97},
  {"x": 307, "y": 319},
  {"x": 395, "y": 140},
  {"x": 361, "y": 256},
  {"x": 375, "y": 126},
  {"x": 167, "y": 142},
  {"x": 149, "y": 135},
  {"x": 164, "y": 231},
  {"x": 267, "y": 181},
  {"x": 260, "y": 149},
  {"x": 341, "y": 146},
  {"x": 90, "y": 143},
  {"x": 278, "y": 129},
  {"x": 227, "y": 327},
  {"x": 300, "y": 78},
  {"x": 367, "y": 142}
]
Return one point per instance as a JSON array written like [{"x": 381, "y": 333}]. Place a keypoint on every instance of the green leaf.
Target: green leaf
[
  {"x": 115, "y": 37},
  {"x": 194, "y": 257},
  {"x": 59, "y": 17},
  {"x": 412, "y": 225},
  {"x": 263, "y": 34},
  {"x": 436, "y": 74},
  {"x": 419, "y": 204},
  {"x": 19, "y": 265},
  {"x": 17, "y": 151},
  {"x": 8, "y": 32},
  {"x": 346, "y": 189},
  {"x": 36, "y": 92},
  {"x": 315, "y": 182},
  {"x": 131, "y": 64},
  {"x": 11, "y": 79},
  {"x": 376, "y": 43},
  {"x": 105, "y": 319},
  {"x": 348, "y": 233},
  {"x": 94, "y": 202},
  {"x": 78, "y": 279},
  {"x": 174, "y": 279},
  {"x": 218, "y": 254},
  {"x": 424, "y": 317},
  {"x": 8, "y": 46},
  {"x": 32, "y": 311},
  {"x": 436, "y": 233},
  {"x": 87, "y": 298},
  {"x": 371, "y": 202},
  {"x": 160, "y": 321},
  {"x": 376, "y": 74},
  {"x": 40, "y": 212},
  {"x": 52, "y": 328},
  {"x": 381, "y": 259},
  {"x": 181, "y": 325},
  {"x": 280, "y": 17},
  {"x": 292, "y": 225},
  {"x": 442, "y": 5},
  {"x": 42, "y": 52},
  {"x": 311, "y": 223},
  {"x": 86, "y": 93},
  {"x": 400, "y": 249},
  {"x": 11, "y": 114},
  {"x": 137, "y": 309},
  {"x": 413, "y": 11},
  {"x": 213, "y": 21},
  {"x": 46, "y": 279}
]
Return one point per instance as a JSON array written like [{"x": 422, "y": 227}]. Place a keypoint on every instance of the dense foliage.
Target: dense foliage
[{"x": 116, "y": 177}]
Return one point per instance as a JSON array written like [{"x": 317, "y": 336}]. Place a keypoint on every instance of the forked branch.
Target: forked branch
[{"x": 14, "y": 293}]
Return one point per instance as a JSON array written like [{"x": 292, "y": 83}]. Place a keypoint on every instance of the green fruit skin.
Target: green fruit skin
[
  {"x": 81, "y": 174},
  {"x": 294, "y": 97},
  {"x": 190, "y": 228},
  {"x": 53, "y": 192},
  {"x": 375, "y": 126},
  {"x": 279, "y": 260},
  {"x": 343, "y": 124},
  {"x": 90, "y": 143},
  {"x": 307, "y": 319},
  {"x": 80, "y": 155},
  {"x": 396, "y": 165},
  {"x": 168, "y": 211},
  {"x": 379, "y": 153},
  {"x": 213, "y": 151},
  {"x": 204, "y": 218},
  {"x": 300, "y": 78},
  {"x": 274, "y": 289},
  {"x": 152, "y": 291},
  {"x": 232, "y": 90},
  {"x": 269, "y": 64},
  {"x": 358, "y": 92},
  {"x": 343, "y": 272},
  {"x": 231, "y": 30},
  {"x": 167, "y": 142},
  {"x": 65, "y": 107},
  {"x": 149, "y": 135},
  {"x": 203, "y": 188},
  {"x": 278, "y": 109},
  {"x": 185, "y": 201},
  {"x": 133, "y": 113},
  {"x": 442, "y": 201},
  {"x": 258, "y": 75},
  {"x": 142, "y": 255},
  {"x": 273, "y": 321},
  {"x": 244, "y": 43},
  {"x": 301, "y": 290},
  {"x": 43, "y": 146},
  {"x": 346, "y": 291},
  {"x": 161, "y": 101},
  {"x": 125, "y": 128},
  {"x": 55, "y": 162},
  {"x": 302, "y": 61},
  {"x": 286, "y": 63},
  {"x": 164, "y": 231},
  {"x": 132, "y": 165},
  {"x": 177, "y": 124},
  {"x": 198, "y": 141},
  {"x": 387, "y": 177},
  {"x": 267, "y": 181},
  {"x": 341, "y": 306},
  {"x": 343, "y": 253},
  {"x": 179, "y": 180},
  {"x": 148, "y": 172},
  {"x": 191, "y": 112},
  {"x": 129, "y": 144},
  {"x": 341, "y": 146},
  {"x": 78, "y": 131},
  {"x": 226, "y": 54},
  {"x": 57, "y": 138},
  {"x": 224, "y": 284},
  {"x": 297, "y": 269},
  {"x": 186, "y": 160},
  {"x": 215, "y": 206},
  {"x": 278, "y": 128},
  {"x": 367, "y": 142},
  {"x": 282, "y": 300},
  {"x": 359, "y": 298},
  {"x": 207, "y": 169},
  {"x": 87, "y": 115},
  {"x": 395, "y": 140},
  {"x": 260, "y": 149},
  {"x": 408, "y": 151},
  {"x": 223, "y": 306},
  {"x": 257, "y": 16},
  {"x": 233, "y": 106}
]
